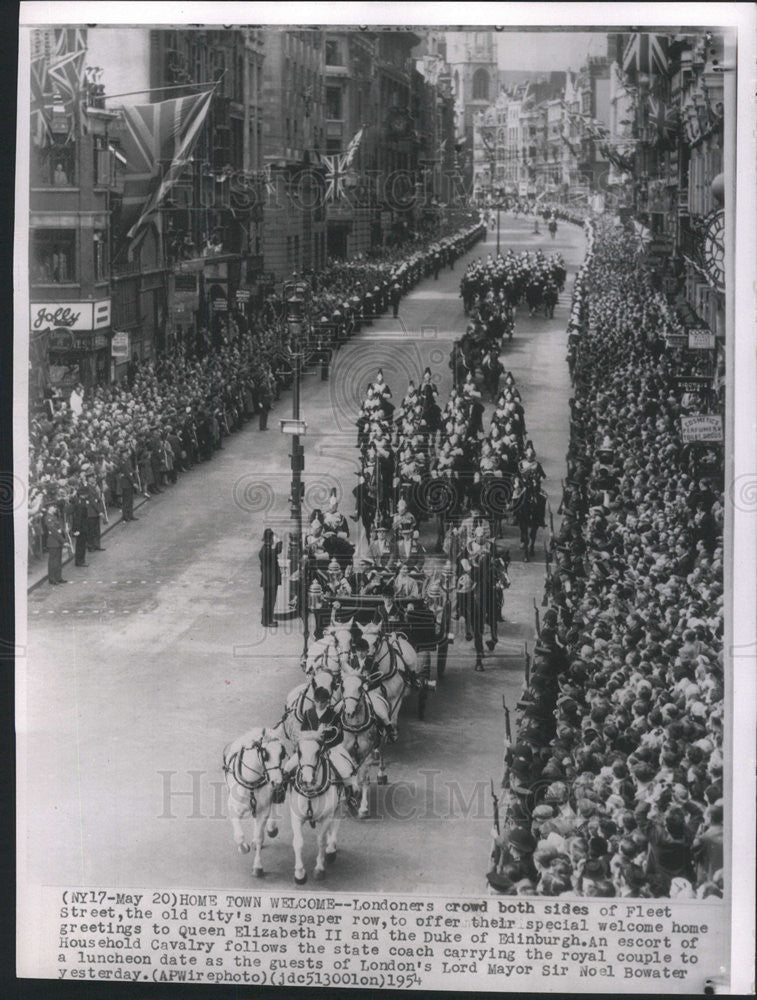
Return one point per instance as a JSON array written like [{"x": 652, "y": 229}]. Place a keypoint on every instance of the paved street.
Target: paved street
[{"x": 152, "y": 658}]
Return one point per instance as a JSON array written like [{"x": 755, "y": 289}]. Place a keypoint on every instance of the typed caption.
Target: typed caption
[{"x": 378, "y": 942}]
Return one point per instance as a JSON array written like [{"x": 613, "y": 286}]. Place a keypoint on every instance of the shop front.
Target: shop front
[{"x": 76, "y": 341}]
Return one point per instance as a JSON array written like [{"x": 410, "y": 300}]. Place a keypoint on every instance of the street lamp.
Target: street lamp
[{"x": 297, "y": 308}]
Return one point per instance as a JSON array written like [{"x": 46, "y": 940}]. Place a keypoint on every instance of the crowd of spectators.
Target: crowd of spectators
[
  {"x": 614, "y": 780},
  {"x": 167, "y": 416}
]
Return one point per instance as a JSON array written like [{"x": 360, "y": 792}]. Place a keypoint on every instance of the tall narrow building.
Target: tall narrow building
[{"x": 472, "y": 57}]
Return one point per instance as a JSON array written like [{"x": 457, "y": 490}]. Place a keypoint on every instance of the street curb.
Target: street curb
[{"x": 103, "y": 531}]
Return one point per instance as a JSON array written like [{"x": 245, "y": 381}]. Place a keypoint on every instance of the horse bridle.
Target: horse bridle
[
  {"x": 234, "y": 766},
  {"x": 369, "y": 715}
]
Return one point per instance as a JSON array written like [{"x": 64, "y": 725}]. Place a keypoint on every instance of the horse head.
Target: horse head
[
  {"x": 353, "y": 693},
  {"x": 309, "y": 744},
  {"x": 342, "y": 637},
  {"x": 372, "y": 634},
  {"x": 272, "y": 756}
]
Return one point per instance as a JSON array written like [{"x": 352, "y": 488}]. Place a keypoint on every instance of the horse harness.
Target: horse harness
[
  {"x": 325, "y": 775},
  {"x": 234, "y": 767}
]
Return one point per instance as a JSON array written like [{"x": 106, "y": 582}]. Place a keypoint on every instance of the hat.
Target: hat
[
  {"x": 521, "y": 839},
  {"x": 543, "y": 812}
]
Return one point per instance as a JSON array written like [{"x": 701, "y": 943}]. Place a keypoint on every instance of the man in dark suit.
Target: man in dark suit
[
  {"x": 127, "y": 483},
  {"x": 79, "y": 525},
  {"x": 270, "y": 576},
  {"x": 94, "y": 509},
  {"x": 56, "y": 540}
]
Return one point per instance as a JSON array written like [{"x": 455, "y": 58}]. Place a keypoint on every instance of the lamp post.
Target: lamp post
[{"x": 297, "y": 308}]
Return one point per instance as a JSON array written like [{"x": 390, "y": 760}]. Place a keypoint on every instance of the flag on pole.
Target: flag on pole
[
  {"x": 154, "y": 135},
  {"x": 646, "y": 53},
  {"x": 337, "y": 167},
  {"x": 334, "y": 176}
]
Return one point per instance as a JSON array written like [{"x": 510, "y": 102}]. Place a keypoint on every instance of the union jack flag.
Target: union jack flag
[
  {"x": 335, "y": 175},
  {"x": 664, "y": 120},
  {"x": 646, "y": 53},
  {"x": 155, "y": 135},
  {"x": 66, "y": 68},
  {"x": 41, "y": 102},
  {"x": 337, "y": 166}
]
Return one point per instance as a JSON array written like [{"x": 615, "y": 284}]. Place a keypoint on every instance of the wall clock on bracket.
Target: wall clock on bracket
[{"x": 714, "y": 248}]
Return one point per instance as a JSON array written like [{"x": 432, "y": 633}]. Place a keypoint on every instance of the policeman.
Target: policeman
[{"x": 395, "y": 295}]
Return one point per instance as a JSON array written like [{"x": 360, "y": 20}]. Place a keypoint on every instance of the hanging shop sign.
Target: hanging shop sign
[
  {"x": 67, "y": 340},
  {"x": 119, "y": 345},
  {"x": 220, "y": 305},
  {"x": 217, "y": 270},
  {"x": 676, "y": 340},
  {"x": 701, "y": 339},
  {"x": 69, "y": 315},
  {"x": 702, "y": 427},
  {"x": 692, "y": 383}
]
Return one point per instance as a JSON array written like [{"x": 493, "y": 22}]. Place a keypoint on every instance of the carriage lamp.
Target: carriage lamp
[{"x": 315, "y": 596}]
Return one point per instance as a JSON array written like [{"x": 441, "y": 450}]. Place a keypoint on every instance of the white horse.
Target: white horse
[
  {"x": 362, "y": 732},
  {"x": 300, "y": 699},
  {"x": 332, "y": 651},
  {"x": 252, "y": 765},
  {"x": 314, "y": 799},
  {"x": 395, "y": 665}
]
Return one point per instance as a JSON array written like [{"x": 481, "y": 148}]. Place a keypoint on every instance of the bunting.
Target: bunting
[{"x": 155, "y": 135}]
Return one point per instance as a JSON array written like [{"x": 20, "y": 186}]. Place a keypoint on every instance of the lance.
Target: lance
[
  {"x": 528, "y": 664},
  {"x": 508, "y": 732}
]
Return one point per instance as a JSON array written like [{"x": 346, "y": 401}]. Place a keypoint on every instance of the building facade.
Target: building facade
[{"x": 72, "y": 182}]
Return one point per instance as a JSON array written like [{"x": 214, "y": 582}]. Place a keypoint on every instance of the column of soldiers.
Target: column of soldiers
[
  {"x": 530, "y": 277},
  {"x": 419, "y": 462}
]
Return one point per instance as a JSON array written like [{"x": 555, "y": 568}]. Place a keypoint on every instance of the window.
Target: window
[
  {"x": 53, "y": 253},
  {"x": 480, "y": 85},
  {"x": 333, "y": 52},
  {"x": 54, "y": 166},
  {"x": 334, "y": 102},
  {"x": 100, "y": 256}
]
